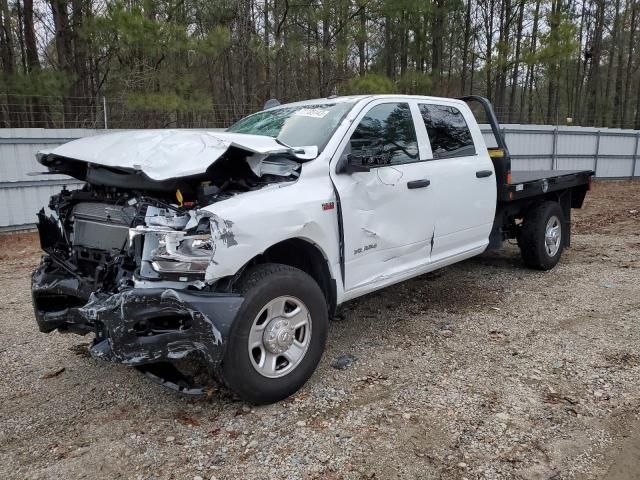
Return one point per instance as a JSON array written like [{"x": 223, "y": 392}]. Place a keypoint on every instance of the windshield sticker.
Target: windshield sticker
[{"x": 311, "y": 112}]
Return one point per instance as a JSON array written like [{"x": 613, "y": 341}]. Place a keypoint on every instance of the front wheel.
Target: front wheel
[
  {"x": 278, "y": 336},
  {"x": 542, "y": 237}
]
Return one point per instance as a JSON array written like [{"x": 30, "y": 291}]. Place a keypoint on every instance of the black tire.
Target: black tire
[
  {"x": 532, "y": 237},
  {"x": 259, "y": 285}
]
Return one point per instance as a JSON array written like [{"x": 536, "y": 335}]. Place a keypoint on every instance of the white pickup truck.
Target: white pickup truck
[{"x": 203, "y": 254}]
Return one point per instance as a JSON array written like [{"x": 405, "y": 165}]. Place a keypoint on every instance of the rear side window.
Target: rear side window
[
  {"x": 385, "y": 136},
  {"x": 448, "y": 132}
]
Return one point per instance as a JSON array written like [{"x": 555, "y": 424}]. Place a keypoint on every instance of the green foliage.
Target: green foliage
[
  {"x": 156, "y": 58},
  {"x": 40, "y": 82},
  {"x": 370, "y": 84},
  {"x": 415, "y": 83},
  {"x": 169, "y": 102},
  {"x": 214, "y": 42},
  {"x": 179, "y": 56},
  {"x": 133, "y": 32},
  {"x": 559, "y": 42}
]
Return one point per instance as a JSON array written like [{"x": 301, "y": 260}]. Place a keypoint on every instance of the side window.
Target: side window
[
  {"x": 448, "y": 132},
  {"x": 385, "y": 136}
]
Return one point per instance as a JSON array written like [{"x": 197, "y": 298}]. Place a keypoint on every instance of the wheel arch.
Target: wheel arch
[{"x": 307, "y": 256}]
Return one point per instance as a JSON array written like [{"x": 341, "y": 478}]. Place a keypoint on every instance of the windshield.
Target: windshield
[{"x": 300, "y": 126}]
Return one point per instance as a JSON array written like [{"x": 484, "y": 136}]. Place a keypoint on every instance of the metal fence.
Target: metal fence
[
  {"x": 611, "y": 153},
  {"x": 160, "y": 111},
  {"x": 34, "y": 111}
]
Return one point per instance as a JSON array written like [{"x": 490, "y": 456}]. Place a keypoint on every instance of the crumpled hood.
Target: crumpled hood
[{"x": 164, "y": 154}]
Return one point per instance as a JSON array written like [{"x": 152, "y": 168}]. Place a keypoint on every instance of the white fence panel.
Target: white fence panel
[
  {"x": 615, "y": 167},
  {"x": 575, "y": 163},
  {"x": 572, "y": 144},
  {"x": 617, "y": 144},
  {"x": 530, "y": 164},
  {"x": 21, "y": 204},
  {"x": 533, "y": 147}
]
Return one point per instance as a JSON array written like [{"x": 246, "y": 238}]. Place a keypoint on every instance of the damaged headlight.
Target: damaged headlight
[
  {"x": 182, "y": 254},
  {"x": 174, "y": 245},
  {"x": 178, "y": 253}
]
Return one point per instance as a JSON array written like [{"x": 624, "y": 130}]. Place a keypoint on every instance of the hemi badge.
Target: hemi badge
[{"x": 328, "y": 206}]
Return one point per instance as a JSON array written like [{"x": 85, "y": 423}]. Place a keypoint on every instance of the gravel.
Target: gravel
[{"x": 480, "y": 370}]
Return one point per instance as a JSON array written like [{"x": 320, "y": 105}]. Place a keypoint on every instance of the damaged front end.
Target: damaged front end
[{"x": 132, "y": 260}]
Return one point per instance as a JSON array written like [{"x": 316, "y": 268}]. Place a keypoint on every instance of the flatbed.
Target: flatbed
[
  {"x": 529, "y": 176},
  {"x": 525, "y": 184}
]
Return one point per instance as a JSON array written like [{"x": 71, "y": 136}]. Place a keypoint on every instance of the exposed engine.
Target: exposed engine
[{"x": 90, "y": 233}]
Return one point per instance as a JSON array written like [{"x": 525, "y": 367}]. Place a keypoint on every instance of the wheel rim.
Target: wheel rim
[
  {"x": 552, "y": 236},
  {"x": 279, "y": 337}
]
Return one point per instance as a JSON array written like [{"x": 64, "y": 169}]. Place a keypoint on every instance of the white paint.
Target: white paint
[
  {"x": 466, "y": 204},
  {"x": 262, "y": 218},
  {"x": 456, "y": 210},
  {"x": 388, "y": 228},
  {"x": 391, "y": 232},
  {"x": 165, "y": 154}
]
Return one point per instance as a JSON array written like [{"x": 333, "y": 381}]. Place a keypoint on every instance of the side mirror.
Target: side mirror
[
  {"x": 351, "y": 163},
  {"x": 306, "y": 153}
]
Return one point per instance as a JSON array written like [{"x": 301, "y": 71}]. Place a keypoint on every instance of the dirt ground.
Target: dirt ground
[{"x": 480, "y": 370}]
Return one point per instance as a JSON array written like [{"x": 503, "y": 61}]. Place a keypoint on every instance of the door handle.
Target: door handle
[
  {"x": 483, "y": 173},
  {"x": 419, "y": 183}
]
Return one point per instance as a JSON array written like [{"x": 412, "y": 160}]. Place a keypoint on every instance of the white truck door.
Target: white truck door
[
  {"x": 463, "y": 179},
  {"x": 386, "y": 211}
]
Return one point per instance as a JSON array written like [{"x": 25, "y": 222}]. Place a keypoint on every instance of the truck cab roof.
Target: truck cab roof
[{"x": 358, "y": 98}]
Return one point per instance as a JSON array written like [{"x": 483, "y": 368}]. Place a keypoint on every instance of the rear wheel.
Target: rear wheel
[
  {"x": 542, "y": 237},
  {"x": 278, "y": 336}
]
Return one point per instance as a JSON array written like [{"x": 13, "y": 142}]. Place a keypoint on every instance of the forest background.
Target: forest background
[{"x": 206, "y": 63}]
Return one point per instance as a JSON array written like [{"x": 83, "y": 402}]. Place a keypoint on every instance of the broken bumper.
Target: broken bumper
[{"x": 135, "y": 326}]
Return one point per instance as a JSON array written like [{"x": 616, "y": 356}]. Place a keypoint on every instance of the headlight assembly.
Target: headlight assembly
[{"x": 178, "y": 253}]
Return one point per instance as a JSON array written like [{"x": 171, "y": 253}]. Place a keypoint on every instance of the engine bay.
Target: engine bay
[{"x": 112, "y": 234}]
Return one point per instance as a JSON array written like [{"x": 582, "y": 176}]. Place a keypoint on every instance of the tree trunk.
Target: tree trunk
[
  {"x": 503, "y": 53},
  {"x": 82, "y": 99},
  {"x": 516, "y": 64},
  {"x": 6, "y": 39},
  {"x": 627, "y": 84},
  {"x": 33, "y": 61},
  {"x": 326, "y": 43},
  {"x": 593, "y": 91},
  {"x": 534, "y": 42},
  {"x": 606, "y": 110},
  {"x": 63, "y": 52},
  {"x": 267, "y": 57},
  {"x": 388, "y": 48},
  {"x": 20, "y": 27},
  {"x": 465, "y": 48},
  {"x": 7, "y": 54},
  {"x": 39, "y": 111},
  {"x": 552, "y": 73},
  {"x": 576, "y": 103},
  {"x": 617, "y": 96},
  {"x": 362, "y": 39},
  {"x": 488, "y": 24},
  {"x": 404, "y": 44},
  {"x": 437, "y": 42}
]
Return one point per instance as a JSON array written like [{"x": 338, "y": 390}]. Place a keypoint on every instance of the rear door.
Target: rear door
[
  {"x": 464, "y": 179},
  {"x": 388, "y": 211}
]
